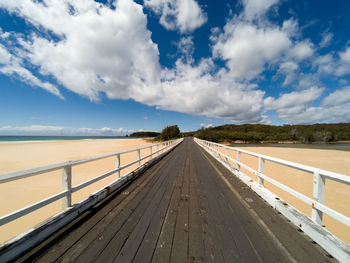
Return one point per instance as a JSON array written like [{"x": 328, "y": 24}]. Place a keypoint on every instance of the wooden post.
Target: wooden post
[
  {"x": 261, "y": 170},
  {"x": 318, "y": 194},
  {"x": 239, "y": 160},
  {"x": 117, "y": 164},
  {"x": 67, "y": 185}
]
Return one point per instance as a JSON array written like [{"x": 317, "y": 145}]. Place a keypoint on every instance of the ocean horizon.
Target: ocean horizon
[{"x": 31, "y": 138}]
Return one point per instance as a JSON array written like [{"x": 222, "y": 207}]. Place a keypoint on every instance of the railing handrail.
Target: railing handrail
[
  {"x": 317, "y": 203},
  {"x": 342, "y": 178},
  {"x": 67, "y": 188},
  {"x": 7, "y": 177},
  {"x": 314, "y": 228}
]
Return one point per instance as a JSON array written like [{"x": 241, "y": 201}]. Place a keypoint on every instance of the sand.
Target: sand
[
  {"x": 337, "y": 195},
  {"x": 25, "y": 155}
]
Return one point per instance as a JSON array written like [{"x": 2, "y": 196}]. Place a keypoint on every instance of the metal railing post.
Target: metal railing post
[
  {"x": 318, "y": 194},
  {"x": 238, "y": 160},
  {"x": 261, "y": 170},
  {"x": 150, "y": 151},
  {"x": 226, "y": 154},
  {"x": 67, "y": 185},
  {"x": 139, "y": 157},
  {"x": 158, "y": 150},
  {"x": 117, "y": 164}
]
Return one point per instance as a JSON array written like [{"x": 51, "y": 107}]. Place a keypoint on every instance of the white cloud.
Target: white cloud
[
  {"x": 61, "y": 131},
  {"x": 338, "y": 97},
  {"x": 12, "y": 66},
  {"x": 196, "y": 90},
  {"x": 290, "y": 70},
  {"x": 297, "y": 107},
  {"x": 327, "y": 38},
  {"x": 182, "y": 15},
  {"x": 98, "y": 48},
  {"x": 257, "y": 8},
  {"x": 290, "y": 106},
  {"x": 302, "y": 50},
  {"x": 247, "y": 48},
  {"x": 344, "y": 62},
  {"x": 205, "y": 125}
]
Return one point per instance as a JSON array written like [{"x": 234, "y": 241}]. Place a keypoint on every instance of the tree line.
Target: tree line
[{"x": 268, "y": 133}]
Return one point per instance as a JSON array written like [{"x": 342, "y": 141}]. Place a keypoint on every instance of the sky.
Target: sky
[{"x": 85, "y": 67}]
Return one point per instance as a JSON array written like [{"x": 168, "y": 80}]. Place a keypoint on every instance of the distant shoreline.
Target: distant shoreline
[{"x": 15, "y": 139}]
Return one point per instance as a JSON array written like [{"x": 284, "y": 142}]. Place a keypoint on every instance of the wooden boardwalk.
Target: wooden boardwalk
[{"x": 185, "y": 208}]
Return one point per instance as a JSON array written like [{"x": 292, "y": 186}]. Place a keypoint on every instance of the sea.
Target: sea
[{"x": 4, "y": 139}]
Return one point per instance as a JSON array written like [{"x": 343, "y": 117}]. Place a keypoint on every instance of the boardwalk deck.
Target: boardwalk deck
[{"x": 186, "y": 208}]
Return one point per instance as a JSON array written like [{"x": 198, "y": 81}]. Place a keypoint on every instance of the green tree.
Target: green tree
[{"x": 169, "y": 132}]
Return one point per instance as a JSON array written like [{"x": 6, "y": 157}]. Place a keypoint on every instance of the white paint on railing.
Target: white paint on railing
[
  {"x": 117, "y": 166},
  {"x": 314, "y": 229},
  {"x": 67, "y": 188}
]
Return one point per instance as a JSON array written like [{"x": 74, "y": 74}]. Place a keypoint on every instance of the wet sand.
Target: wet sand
[
  {"x": 336, "y": 195},
  {"x": 25, "y": 155}
]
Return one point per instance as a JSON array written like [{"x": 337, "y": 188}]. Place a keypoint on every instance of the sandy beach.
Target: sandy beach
[
  {"x": 25, "y": 155},
  {"x": 336, "y": 194}
]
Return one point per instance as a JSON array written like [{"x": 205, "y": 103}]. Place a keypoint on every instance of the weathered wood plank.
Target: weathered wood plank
[
  {"x": 147, "y": 248},
  {"x": 163, "y": 248},
  {"x": 118, "y": 234}
]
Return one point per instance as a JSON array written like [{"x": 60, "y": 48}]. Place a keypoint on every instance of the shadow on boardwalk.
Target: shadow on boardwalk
[{"x": 186, "y": 208}]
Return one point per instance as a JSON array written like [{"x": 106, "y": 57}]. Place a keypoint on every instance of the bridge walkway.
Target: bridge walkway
[{"x": 185, "y": 208}]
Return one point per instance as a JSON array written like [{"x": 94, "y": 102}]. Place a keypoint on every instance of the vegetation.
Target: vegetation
[
  {"x": 144, "y": 134},
  {"x": 257, "y": 133},
  {"x": 168, "y": 133}
]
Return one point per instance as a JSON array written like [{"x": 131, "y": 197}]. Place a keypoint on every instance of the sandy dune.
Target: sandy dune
[{"x": 25, "y": 155}]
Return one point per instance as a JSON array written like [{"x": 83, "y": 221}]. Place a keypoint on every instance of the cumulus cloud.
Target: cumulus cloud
[
  {"x": 344, "y": 62},
  {"x": 257, "y": 8},
  {"x": 247, "y": 48},
  {"x": 338, "y": 97},
  {"x": 290, "y": 106},
  {"x": 61, "y": 131},
  {"x": 98, "y": 48},
  {"x": 92, "y": 48},
  {"x": 13, "y": 66},
  {"x": 196, "y": 89},
  {"x": 182, "y": 15},
  {"x": 297, "y": 107}
]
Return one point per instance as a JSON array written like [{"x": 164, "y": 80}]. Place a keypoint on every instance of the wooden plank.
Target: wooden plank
[
  {"x": 76, "y": 232},
  {"x": 179, "y": 252},
  {"x": 151, "y": 215},
  {"x": 97, "y": 238},
  {"x": 163, "y": 248},
  {"x": 118, "y": 233},
  {"x": 196, "y": 233},
  {"x": 146, "y": 249}
]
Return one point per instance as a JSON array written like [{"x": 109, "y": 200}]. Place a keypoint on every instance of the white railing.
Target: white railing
[
  {"x": 313, "y": 226},
  {"x": 317, "y": 202},
  {"x": 67, "y": 188}
]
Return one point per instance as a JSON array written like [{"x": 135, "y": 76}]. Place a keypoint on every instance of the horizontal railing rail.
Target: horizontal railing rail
[
  {"x": 66, "y": 167},
  {"x": 316, "y": 203}
]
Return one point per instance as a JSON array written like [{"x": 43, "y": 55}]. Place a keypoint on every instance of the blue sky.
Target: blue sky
[{"x": 111, "y": 67}]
